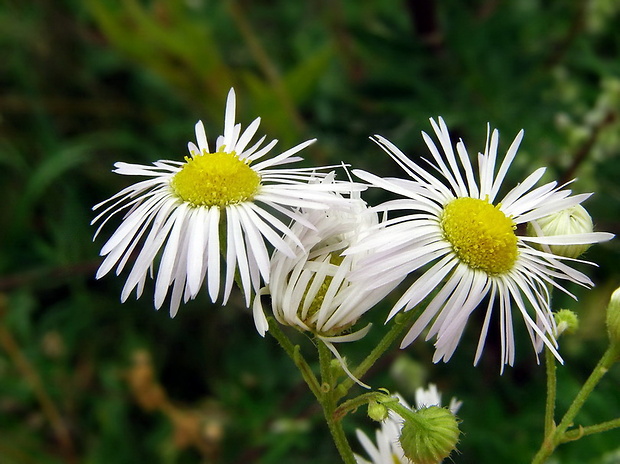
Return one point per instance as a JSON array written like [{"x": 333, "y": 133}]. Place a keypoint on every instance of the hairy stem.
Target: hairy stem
[
  {"x": 401, "y": 321},
  {"x": 560, "y": 435},
  {"x": 328, "y": 402},
  {"x": 551, "y": 392}
]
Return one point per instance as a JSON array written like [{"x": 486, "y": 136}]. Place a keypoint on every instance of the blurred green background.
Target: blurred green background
[{"x": 84, "y": 379}]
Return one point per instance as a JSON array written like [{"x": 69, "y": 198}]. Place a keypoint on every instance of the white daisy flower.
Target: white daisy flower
[
  {"x": 214, "y": 202},
  {"x": 311, "y": 291},
  {"x": 388, "y": 449},
  {"x": 469, "y": 244}
]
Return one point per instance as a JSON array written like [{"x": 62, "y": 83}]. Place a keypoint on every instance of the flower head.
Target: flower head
[
  {"x": 429, "y": 435},
  {"x": 311, "y": 290},
  {"x": 454, "y": 227},
  {"x": 221, "y": 202},
  {"x": 388, "y": 448},
  {"x": 613, "y": 319},
  {"x": 566, "y": 321},
  {"x": 569, "y": 221}
]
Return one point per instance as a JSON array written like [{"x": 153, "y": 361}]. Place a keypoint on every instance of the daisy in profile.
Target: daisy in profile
[
  {"x": 388, "y": 449},
  {"x": 227, "y": 198},
  {"x": 311, "y": 290},
  {"x": 468, "y": 244}
]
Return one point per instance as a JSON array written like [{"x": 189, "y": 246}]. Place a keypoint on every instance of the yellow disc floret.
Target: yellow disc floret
[
  {"x": 482, "y": 236},
  {"x": 317, "y": 301},
  {"x": 319, "y": 297},
  {"x": 215, "y": 179}
]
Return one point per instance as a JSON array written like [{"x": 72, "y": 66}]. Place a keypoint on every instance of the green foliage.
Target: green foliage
[{"x": 86, "y": 84}]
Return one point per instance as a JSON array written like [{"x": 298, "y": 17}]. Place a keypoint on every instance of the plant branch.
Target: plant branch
[
  {"x": 551, "y": 392},
  {"x": 559, "y": 435},
  {"x": 294, "y": 352},
  {"x": 328, "y": 401},
  {"x": 573, "y": 435},
  {"x": 401, "y": 321}
]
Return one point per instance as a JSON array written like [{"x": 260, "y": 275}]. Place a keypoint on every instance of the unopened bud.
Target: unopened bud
[
  {"x": 430, "y": 435},
  {"x": 335, "y": 368},
  {"x": 377, "y": 411},
  {"x": 566, "y": 322},
  {"x": 569, "y": 221},
  {"x": 613, "y": 318}
]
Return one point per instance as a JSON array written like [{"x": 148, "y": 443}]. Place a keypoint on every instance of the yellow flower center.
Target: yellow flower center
[
  {"x": 319, "y": 297},
  {"x": 482, "y": 236},
  {"x": 215, "y": 179},
  {"x": 317, "y": 302}
]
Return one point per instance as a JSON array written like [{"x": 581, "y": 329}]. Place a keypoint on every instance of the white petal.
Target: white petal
[
  {"x": 282, "y": 156},
  {"x": 229, "y": 121},
  {"x": 487, "y": 163},
  {"x": 213, "y": 253},
  {"x": 267, "y": 231},
  {"x": 503, "y": 169},
  {"x": 255, "y": 241},
  {"x": 260, "y": 321},
  {"x": 201, "y": 138},
  {"x": 152, "y": 244},
  {"x": 251, "y": 154},
  {"x": 485, "y": 324},
  {"x": 516, "y": 194},
  {"x": 169, "y": 256},
  {"x": 231, "y": 259},
  {"x": 472, "y": 186},
  {"x": 246, "y": 137},
  {"x": 197, "y": 231},
  {"x": 237, "y": 238},
  {"x": 570, "y": 239},
  {"x": 424, "y": 285}
]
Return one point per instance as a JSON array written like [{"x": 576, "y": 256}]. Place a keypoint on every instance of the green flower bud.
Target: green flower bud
[
  {"x": 377, "y": 411},
  {"x": 573, "y": 220},
  {"x": 429, "y": 435},
  {"x": 336, "y": 370},
  {"x": 566, "y": 322},
  {"x": 613, "y": 318}
]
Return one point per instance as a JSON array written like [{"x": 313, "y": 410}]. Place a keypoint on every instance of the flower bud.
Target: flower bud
[
  {"x": 613, "y": 318},
  {"x": 377, "y": 411},
  {"x": 429, "y": 435},
  {"x": 566, "y": 322},
  {"x": 569, "y": 221}
]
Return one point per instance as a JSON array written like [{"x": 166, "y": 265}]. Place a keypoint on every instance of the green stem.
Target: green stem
[
  {"x": 293, "y": 351},
  {"x": 606, "y": 361},
  {"x": 335, "y": 427},
  {"x": 551, "y": 392},
  {"x": 307, "y": 373},
  {"x": 328, "y": 401},
  {"x": 276, "y": 332},
  {"x": 551, "y": 443},
  {"x": 355, "y": 403},
  {"x": 401, "y": 321},
  {"x": 325, "y": 357},
  {"x": 573, "y": 435}
]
